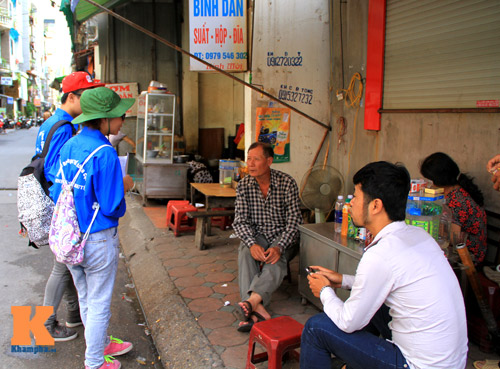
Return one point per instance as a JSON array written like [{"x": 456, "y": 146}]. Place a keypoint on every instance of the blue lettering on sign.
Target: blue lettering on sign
[
  {"x": 232, "y": 8},
  {"x": 206, "y": 8},
  {"x": 284, "y": 61},
  {"x": 300, "y": 95}
]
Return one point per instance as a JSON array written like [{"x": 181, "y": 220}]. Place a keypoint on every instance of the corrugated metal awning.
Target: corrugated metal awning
[{"x": 84, "y": 10}]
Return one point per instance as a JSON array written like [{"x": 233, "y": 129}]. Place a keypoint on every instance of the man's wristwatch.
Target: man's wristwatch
[{"x": 323, "y": 289}]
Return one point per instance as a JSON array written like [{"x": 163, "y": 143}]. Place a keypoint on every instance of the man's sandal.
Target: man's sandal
[
  {"x": 245, "y": 314},
  {"x": 487, "y": 364},
  {"x": 247, "y": 326}
]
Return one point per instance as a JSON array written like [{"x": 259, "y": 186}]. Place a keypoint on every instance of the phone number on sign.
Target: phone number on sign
[
  {"x": 295, "y": 97},
  {"x": 223, "y": 55}
]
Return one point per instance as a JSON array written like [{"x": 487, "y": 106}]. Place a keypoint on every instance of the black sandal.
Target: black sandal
[
  {"x": 250, "y": 322},
  {"x": 246, "y": 315}
]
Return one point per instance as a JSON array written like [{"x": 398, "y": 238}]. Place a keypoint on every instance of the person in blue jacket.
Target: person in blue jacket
[
  {"x": 101, "y": 182},
  {"x": 60, "y": 282}
]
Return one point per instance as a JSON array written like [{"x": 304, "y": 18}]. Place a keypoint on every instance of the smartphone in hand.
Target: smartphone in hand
[{"x": 309, "y": 270}]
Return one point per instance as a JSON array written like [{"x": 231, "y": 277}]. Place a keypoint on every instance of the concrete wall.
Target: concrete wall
[
  {"x": 292, "y": 28},
  {"x": 470, "y": 139}
]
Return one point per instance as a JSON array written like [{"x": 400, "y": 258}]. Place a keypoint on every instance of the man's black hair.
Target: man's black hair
[
  {"x": 387, "y": 182},
  {"x": 64, "y": 97},
  {"x": 268, "y": 149}
]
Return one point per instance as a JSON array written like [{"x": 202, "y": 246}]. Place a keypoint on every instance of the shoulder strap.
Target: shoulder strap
[
  {"x": 52, "y": 131},
  {"x": 85, "y": 162}
]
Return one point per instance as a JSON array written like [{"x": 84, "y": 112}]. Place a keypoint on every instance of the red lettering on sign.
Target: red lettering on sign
[
  {"x": 487, "y": 103},
  {"x": 238, "y": 35},
  {"x": 201, "y": 35},
  {"x": 220, "y": 35}
]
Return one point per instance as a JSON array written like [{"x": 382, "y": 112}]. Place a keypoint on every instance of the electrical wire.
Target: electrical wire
[{"x": 352, "y": 95}]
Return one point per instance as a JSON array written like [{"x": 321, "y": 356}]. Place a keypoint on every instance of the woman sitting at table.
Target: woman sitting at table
[{"x": 464, "y": 199}]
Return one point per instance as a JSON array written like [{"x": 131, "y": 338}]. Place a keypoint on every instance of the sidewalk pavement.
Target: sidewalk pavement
[{"x": 184, "y": 293}]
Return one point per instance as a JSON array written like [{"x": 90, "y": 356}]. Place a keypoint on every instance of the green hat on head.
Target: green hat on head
[{"x": 102, "y": 102}]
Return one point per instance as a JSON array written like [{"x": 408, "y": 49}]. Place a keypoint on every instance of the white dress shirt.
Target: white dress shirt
[{"x": 405, "y": 269}]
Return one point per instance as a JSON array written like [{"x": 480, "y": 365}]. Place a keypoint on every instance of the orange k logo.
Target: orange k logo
[{"x": 23, "y": 325}]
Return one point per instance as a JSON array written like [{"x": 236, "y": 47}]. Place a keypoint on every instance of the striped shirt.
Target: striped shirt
[{"x": 275, "y": 217}]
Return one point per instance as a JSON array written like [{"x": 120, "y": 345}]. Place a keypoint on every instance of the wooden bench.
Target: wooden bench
[{"x": 201, "y": 224}]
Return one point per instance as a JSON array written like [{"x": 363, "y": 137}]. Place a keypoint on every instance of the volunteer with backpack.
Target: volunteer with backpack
[
  {"x": 60, "y": 280},
  {"x": 100, "y": 182}
]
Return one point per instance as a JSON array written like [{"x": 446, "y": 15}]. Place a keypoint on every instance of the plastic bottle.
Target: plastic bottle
[
  {"x": 345, "y": 217},
  {"x": 352, "y": 230},
  {"x": 339, "y": 205},
  {"x": 361, "y": 236}
]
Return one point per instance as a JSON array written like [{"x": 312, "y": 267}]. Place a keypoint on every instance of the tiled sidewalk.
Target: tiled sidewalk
[{"x": 207, "y": 280}]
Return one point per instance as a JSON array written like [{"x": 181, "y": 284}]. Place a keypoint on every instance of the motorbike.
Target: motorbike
[
  {"x": 7, "y": 123},
  {"x": 23, "y": 123}
]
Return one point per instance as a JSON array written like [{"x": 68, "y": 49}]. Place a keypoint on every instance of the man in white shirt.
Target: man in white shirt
[{"x": 404, "y": 270}]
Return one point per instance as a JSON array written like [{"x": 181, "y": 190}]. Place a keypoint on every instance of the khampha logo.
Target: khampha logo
[{"x": 23, "y": 325}]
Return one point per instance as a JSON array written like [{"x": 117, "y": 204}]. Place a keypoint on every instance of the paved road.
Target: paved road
[
  {"x": 24, "y": 272},
  {"x": 16, "y": 149}
]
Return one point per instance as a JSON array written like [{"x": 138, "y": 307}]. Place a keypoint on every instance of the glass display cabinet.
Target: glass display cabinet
[
  {"x": 155, "y": 127},
  {"x": 156, "y": 175}
]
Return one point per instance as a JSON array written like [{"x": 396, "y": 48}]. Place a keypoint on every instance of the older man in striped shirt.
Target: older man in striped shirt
[{"x": 266, "y": 221}]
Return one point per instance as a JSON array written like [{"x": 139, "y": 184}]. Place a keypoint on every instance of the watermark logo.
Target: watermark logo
[{"x": 23, "y": 325}]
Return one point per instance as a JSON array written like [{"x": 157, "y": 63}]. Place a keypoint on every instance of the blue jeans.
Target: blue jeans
[
  {"x": 360, "y": 349},
  {"x": 94, "y": 279}
]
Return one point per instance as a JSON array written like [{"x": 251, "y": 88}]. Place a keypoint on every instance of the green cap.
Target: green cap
[{"x": 102, "y": 102}]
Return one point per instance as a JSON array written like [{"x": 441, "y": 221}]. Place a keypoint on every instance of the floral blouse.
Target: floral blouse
[{"x": 472, "y": 219}]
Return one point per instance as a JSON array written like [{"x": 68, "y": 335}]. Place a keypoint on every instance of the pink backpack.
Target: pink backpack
[{"x": 65, "y": 239}]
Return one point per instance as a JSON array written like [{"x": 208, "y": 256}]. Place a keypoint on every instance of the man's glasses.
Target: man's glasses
[{"x": 123, "y": 117}]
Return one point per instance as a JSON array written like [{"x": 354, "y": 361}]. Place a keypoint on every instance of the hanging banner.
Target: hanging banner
[
  {"x": 273, "y": 127},
  {"x": 218, "y": 34}
]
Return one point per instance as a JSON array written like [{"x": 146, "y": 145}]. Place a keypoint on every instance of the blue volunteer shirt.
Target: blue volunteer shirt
[
  {"x": 60, "y": 137},
  {"x": 100, "y": 181}
]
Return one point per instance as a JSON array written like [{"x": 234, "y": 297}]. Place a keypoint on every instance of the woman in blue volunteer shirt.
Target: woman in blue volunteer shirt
[{"x": 101, "y": 182}]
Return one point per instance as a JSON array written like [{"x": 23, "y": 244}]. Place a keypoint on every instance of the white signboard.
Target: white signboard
[
  {"x": 6, "y": 81},
  {"x": 218, "y": 34}
]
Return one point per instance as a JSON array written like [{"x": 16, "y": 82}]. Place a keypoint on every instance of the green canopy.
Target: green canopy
[
  {"x": 56, "y": 83},
  {"x": 85, "y": 10}
]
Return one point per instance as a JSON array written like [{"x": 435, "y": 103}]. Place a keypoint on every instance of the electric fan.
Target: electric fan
[{"x": 319, "y": 189}]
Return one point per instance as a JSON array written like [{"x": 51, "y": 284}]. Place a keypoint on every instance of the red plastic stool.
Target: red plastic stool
[
  {"x": 279, "y": 336},
  {"x": 221, "y": 222},
  {"x": 181, "y": 223},
  {"x": 172, "y": 203}
]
